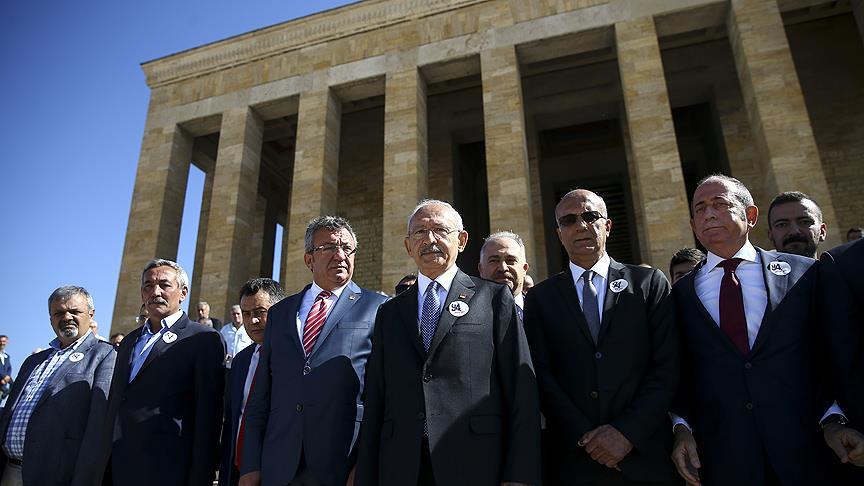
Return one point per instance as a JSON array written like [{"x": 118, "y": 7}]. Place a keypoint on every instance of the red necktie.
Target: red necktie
[
  {"x": 315, "y": 321},
  {"x": 732, "y": 319},
  {"x": 238, "y": 456}
]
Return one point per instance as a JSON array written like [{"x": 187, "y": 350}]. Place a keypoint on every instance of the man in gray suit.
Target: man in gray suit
[
  {"x": 305, "y": 404},
  {"x": 57, "y": 406}
]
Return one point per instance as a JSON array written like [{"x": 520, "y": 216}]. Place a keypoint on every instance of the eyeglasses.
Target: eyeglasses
[
  {"x": 588, "y": 216},
  {"x": 437, "y": 233},
  {"x": 330, "y": 249}
]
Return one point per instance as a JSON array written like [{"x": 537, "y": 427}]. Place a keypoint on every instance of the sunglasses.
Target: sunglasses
[{"x": 588, "y": 216}]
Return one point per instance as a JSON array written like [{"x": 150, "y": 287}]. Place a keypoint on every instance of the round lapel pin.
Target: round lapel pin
[
  {"x": 618, "y": 285},
  {"x": 458, "y": 308},
  {"x": 76, "y": 357},
  {"x": 169, "y": 337},
  {"x": 779, "y": 268}
]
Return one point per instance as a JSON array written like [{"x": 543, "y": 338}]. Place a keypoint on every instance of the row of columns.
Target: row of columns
[{"x": 773, "y": 100}]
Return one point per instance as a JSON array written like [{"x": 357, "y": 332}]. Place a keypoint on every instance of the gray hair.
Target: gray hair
[
  {"x": 266, "y": 285},
  {"x": 66, "y": 292},
  {"x": 330, "y": 223},
  {"x": 182, "y": 278},
  {"x": 500, "y": 235},
  {"x": 203, "y": 304},
  {"x": 436, "y": 202},
  {"x": 739, "y": 191}
]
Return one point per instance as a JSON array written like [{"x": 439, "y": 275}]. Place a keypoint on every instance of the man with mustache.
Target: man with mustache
[
  {"x": 603, "y": 340},
  {"x": 502, "y": 259},
  {"x": 795, "y": 224},
  {"x": 55, "y": 415},
  {"x": 165, "y": 406},
  {"x": 450, "y": 390},
  {"x": 256, "y": 298},
  {"x": 304, "y": 411}
]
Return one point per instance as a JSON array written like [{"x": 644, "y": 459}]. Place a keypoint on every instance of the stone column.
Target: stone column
[
  {"x": 507, "y": 176},
  {"x": 315, "y": 180},
  {"x": 538, "y": 265},
  {"x": 658, "y": 183},
  {"x": 405, "y": 168},
  {"x": 255, "y": 252},
  {"x": 232, "y": 209},
  {"x": 201, "y": 242},
  {"x": 775, "y": 105},
  {"x": 858, "y": 12},
  {"x": 153, "y": 230}
]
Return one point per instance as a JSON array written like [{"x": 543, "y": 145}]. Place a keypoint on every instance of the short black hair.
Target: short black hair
[
  {"x": 851, "y": 230},
  {"x": 793, "y": 196},
  {"x": 686, "y": 255},
  {"x": 263, "y": 284}
]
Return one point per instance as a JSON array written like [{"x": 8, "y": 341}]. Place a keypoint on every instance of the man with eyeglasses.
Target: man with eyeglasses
[
  {"x": 451, "y": 398},
  {"x": 306, "y": 401},
  {"x": 602, "y": 337}
]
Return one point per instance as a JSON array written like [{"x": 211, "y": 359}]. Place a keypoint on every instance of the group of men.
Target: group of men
[{"x": 745, "y": 372}]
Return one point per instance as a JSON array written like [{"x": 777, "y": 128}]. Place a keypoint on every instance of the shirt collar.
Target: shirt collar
[
  {"x": 600, "y": 268},
  {"x": 747, "y": 253},
  {"x": 55, "y": 343},
  {"x": 520, "y": 300},
  {"x": 315, "y": 290},
  {"x": 167, "y": 322},
  {"x": 445, "y": 280}
]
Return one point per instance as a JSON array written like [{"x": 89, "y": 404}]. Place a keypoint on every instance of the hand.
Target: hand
[
  {"x": 350, "y": 481},
  {"x": 250, "y": 479},
  {"x": 606, "y": 445},
  {"x": 846, "y": 442},
  {"x": 684, "y": 455}
]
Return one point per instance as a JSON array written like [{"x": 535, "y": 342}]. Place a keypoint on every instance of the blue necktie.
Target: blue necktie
[
  {"x": 589, "y": 304},
  {"x": 429, "y": 316}
]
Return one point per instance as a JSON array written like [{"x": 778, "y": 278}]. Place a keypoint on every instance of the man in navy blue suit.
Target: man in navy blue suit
[
  {"x": 751, "y": 396},
  {"x": 305, "y": 409},
  {"x": 256, "y": 298}
]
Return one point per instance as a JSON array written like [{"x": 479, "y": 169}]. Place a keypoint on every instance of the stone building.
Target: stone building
[{"x": 499, "y": 106}]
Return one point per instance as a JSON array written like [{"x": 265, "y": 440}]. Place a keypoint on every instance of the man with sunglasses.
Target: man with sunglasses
[
  {"x": 603, "y": 342},
  {"x": 305, "y": 403}
]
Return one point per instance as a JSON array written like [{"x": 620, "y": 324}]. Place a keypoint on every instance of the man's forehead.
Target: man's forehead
[
  {"x": 793, "y": 209},
  {"x": 577, "y": 202},
  {"x": 502, "y": 246},
  {"x": 257, "y": 300},
  {"x": 325, "y": 234},
  {"x": 74, "y": 301},
  {"x": 433, "y": 214}
]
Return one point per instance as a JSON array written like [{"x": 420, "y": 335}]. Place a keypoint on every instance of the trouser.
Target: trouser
[{"x": 426, "y": 477}]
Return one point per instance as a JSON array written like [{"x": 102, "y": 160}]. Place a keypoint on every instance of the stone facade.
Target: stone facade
[{"x": 502, "y": 104}]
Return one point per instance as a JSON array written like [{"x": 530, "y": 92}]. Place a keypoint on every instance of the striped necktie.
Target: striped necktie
[{"x": 315, "y": 321}]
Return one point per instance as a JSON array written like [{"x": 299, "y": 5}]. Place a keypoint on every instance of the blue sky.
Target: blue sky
[{"x": 73, "y": 101}]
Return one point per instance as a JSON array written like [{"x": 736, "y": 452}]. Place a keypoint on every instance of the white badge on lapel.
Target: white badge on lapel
[
  {"x": 618, "y": 285},
  {"x": 169, "y": 337},
  {"x": 458, "y": 308},
  {"x": 779, "y": 268},
  {"x": 76, "y": 357}
]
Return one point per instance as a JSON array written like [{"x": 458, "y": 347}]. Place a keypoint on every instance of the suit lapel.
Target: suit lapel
[
  {"x": 776, "y": 287},
  {"x": 122, "y": 368},
  {"x": 564, "y": 284},
  {"x": 616, "y": 272},
  {"x": 689, "y": 283},
  {"x": 160, "y": 346},
  {"x": 462, "y": 289},
  {"x": 66, "y": 366},
  {"x": 408, "y": 311},
  {"x": 346, "y": 300},
  {"x": 293, "y": 304}
]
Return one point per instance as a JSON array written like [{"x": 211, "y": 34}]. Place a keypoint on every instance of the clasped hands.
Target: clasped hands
[{"x": 606, "y": 445}]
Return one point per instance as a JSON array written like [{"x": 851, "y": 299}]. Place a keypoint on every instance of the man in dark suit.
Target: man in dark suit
[
  {"x": 603, "y": 341},
  {"x": 165, "y": 406},
  {"x": 5, "y": 369},
  {"x": 752, "y": 354},
  {"x": 502, "y": 260},
  {"x": 55, "y": 415},
  {"x": 450, "y": 390},
  {"x": 256, "y": 298},
  {"x": 305, "y": 409}
]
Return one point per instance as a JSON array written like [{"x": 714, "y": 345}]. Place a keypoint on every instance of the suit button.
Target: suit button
[
  {"x": 299, "y": 407},
  {"x": 748, "y": 406},
  {"x": 421, "y": 415},
  {"x": 598, "y": 355},
  {"x": 747, "y": 366},
  {"x": 595, "y": 395},
  {"x": 427, "y": 378},
  {"x": 307, "y": 369}
]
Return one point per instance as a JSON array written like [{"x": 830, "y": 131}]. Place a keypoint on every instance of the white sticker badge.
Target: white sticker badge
[
  {"x": 169, "y": 337},
  {"x": 618, "y": 285},
  {"x": 779, "y": 268},
  {"x": 458, "y": 308},
  {"x": 76, "y": 357}
]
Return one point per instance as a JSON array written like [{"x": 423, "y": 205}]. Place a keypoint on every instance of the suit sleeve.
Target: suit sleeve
[
  {"x": 556, "y": 403},
  {"x": 209, "y": 386},
  {"x": 368, "y": 442},
  {"x": 648, "y": 409},
  {"x": 257, "y": 411},
  {"x": 87, "y": 470},
  {"x": 519, "y": 384}
]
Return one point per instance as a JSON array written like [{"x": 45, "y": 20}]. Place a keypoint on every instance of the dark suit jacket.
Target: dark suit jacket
[
  {"x": 69, "y": 417},
  {"x": 228, "y": 474},
  {"x": 6, "y": 366},
  {"x": 311, "y": 406},
  {"x": 628, "y": 380},
  {"x": 745, "y": 410},
  {"x": 842, "y": 289},
  {"x": 164, "y": 425},
  {"x": 475, "y": 388}
]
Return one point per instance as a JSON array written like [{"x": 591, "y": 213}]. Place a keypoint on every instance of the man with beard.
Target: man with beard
[
  {"x": 502, "y": 259},
  {"x": 795, "y": 224},
  {"x": 55, "y": 416}
]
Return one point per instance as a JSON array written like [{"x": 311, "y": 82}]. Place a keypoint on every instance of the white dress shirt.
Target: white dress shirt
[
  {"x": 236, "y": 339},
  {"x": 601, "y": 275},
  {"x": 445, "y": 281},
  {"x": 309, "y": 299}
]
